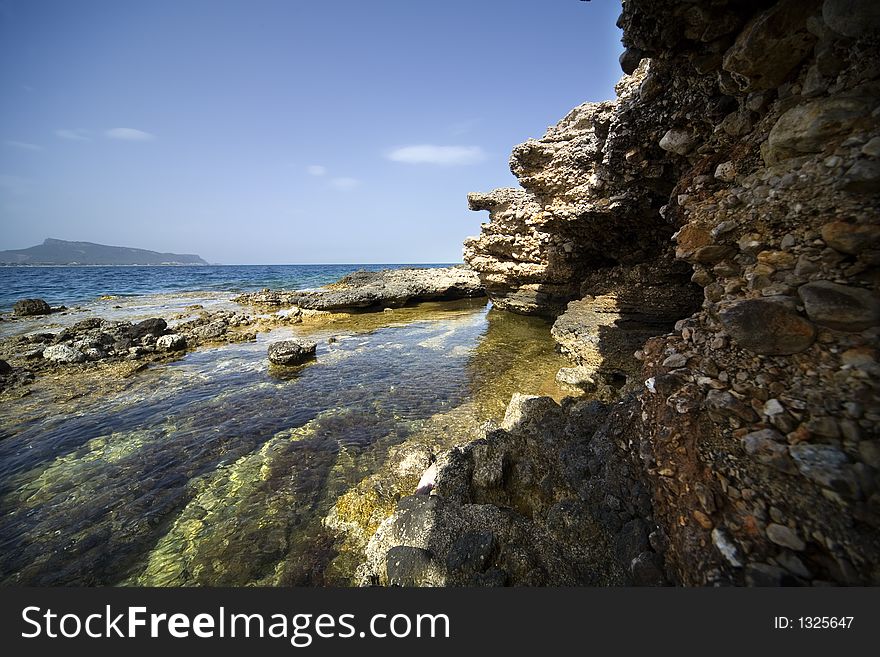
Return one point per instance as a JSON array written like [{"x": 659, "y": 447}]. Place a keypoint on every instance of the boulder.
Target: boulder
[
  {"x": 840, "y": 307},
  {"x": 812, "y": 127},
  {"x": 27, "y": 307},
  {"x": 771, "y": 45},
  {"x": 767, "y": 326},
  {"x": 629, "y": 60},
  {"x": 62, "y": 353},
  {"x": 154, "y": 326},
  {"x": 852, "y": 18},
  {"x": 291, "y": 352}
]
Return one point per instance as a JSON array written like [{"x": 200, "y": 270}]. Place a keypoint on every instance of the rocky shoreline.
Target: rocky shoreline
[
  {"x": 124, "y": 347},
  {"x": 708, "y": 247}
]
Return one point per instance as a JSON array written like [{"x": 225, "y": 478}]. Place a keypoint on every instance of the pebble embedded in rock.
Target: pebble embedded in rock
[
  {"x": 785, "y": 536},
  {"x": 767, "y": 326},
  {"x": 840, "y": 307},
  {"x": 678, "y": 141},
  {"x": 850, "y": 238}
]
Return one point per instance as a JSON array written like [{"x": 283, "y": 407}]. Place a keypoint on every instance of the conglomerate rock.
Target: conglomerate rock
[{"x": 745, "y": 144}]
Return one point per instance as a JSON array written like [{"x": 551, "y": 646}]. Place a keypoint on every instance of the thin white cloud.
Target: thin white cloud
[
  {"x": 73, "y": 135},
  {"x": 23, "y": 145},
  {"x": 316, "y": 170},
  {"x": 129, "y": 134},
  {"x": 344, "y": 183},
  {"x": 442, "y": 155}
]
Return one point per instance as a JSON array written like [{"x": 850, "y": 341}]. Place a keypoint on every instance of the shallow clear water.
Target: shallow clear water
[
  {"x": 75, "y": 285},
  {"x": 217, "y": 469}
]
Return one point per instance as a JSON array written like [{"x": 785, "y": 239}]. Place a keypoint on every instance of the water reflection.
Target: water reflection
[{"x": 216, "y": 470}]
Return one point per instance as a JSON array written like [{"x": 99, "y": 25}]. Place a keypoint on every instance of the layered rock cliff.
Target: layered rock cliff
[{"x": 709, "y": 245}]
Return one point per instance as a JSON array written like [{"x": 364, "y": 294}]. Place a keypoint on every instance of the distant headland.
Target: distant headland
[{"x": 62, "y": 252}]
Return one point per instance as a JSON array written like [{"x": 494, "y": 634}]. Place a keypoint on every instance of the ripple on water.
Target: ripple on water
[{"x": 218, "y": 468}]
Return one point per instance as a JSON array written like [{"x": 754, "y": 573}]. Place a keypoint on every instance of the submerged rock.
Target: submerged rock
[{"x": 291, "y": 352}]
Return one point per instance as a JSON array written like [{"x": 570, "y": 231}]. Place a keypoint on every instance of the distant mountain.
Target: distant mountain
[{"x": 61, "y": 252}]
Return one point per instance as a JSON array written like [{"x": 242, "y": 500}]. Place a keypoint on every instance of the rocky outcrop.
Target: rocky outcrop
[
  {"x": 743, "y": 153},
  {"x": 27, "y": 307},
  {"x": 375, "y": 290},
  {"x": 589, "y": 203}
]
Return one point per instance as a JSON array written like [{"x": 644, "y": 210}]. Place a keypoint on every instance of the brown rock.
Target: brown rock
[
  {"x": 771, "y": 45},
  {"x": 840, "y": 307},
  {"x": 767, "y": 326},
  {"x": 811, "y": 127},
  {"x": 850, "y": 238}
]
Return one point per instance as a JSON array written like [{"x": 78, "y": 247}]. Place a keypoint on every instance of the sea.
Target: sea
[
  {"x": 76, "y": 285},
  {"x": 219, "y": 469}
]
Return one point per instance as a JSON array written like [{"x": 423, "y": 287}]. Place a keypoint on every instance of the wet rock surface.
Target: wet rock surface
[
  {"x": 291, "y": 352},
  {"x": 27, "y": 307}
]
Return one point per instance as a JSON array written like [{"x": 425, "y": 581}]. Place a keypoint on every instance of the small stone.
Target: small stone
[
  {"x": 725, "y": 172},
  {"x": 702, "y": 519},
  {"x": 709, "y": 255},
  {"x": 840, "y": 307},
  {"x": 773, "y": 407},
  {"x": 785, "y": 536},
  {"x": 26, "y": 307},
  {"x": 869, "y": 451},
  {"x": 171, "y": 342},
  {"x": 767, "y": 326},
  {"x": 850, "y": 238},
  {"x": 678, "y": 141},
  {"x": 726, "y": 548},
  {"x": 726, "y": 404},
  {"x": 675, "y": 361},
  {"x": 291, "y": 352}
]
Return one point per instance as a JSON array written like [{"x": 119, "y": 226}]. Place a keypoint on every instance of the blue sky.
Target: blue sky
[{"x": 281, "y": 131}]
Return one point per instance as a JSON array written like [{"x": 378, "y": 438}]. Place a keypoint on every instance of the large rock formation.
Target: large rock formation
[
  {"x": 373, "y": 290},
  {"x": 743, "y": 446}
]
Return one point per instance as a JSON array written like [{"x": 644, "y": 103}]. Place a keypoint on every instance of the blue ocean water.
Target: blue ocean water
[{"x": 73, "y": 285}]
